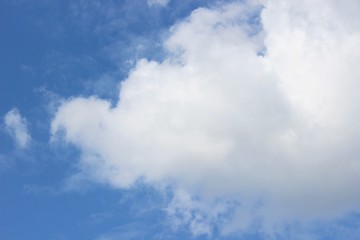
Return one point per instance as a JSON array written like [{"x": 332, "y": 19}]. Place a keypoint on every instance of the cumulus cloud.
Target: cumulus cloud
[
  {"x": 254, "y": 109},
  {"x": 16, "y": 126}
]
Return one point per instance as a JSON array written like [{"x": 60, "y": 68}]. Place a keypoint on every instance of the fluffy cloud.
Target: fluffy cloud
[
  {"x": 254, "y": 109},
  {"x": 16, "y": 126}
]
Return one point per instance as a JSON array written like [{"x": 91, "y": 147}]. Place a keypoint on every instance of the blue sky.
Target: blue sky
[
  {"x": 179, "y": 120},
  {"x": 56, "y": 49}
]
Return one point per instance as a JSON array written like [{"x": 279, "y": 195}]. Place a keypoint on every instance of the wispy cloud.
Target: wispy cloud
[
  {"x": 129, "y": 231},
  {"x": 273, "y": 134},
  {"x": 97, "y": 218},
  {"x": 162, "y": 3},
  {"x": 16, "y": 126}
]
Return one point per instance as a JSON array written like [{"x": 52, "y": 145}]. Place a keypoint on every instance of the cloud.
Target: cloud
[
  {"x": 162, "y": 3},
  {"x": 16, "y": 126},
  {"x": 130, "y": 231},
  {"x": 254, "y": 111}
]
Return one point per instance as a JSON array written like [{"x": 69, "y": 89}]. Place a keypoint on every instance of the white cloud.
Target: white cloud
[
  {"x": 158, "y": 2},
  {"x": 16, "y": 126},
  {"x": 278, "y": 133}
]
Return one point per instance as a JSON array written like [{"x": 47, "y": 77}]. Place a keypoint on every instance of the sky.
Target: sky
[{"x": 179, "y": 119}]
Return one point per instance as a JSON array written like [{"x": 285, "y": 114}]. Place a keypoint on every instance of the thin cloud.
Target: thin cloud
[
  {"x": 16, "y": 126},
  {"x": 162, "y": 3}
]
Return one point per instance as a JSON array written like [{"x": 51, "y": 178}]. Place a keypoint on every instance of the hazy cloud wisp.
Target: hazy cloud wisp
[
  {"x": 16, "y": 126},
  {"x": 162, "y": 3}
]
